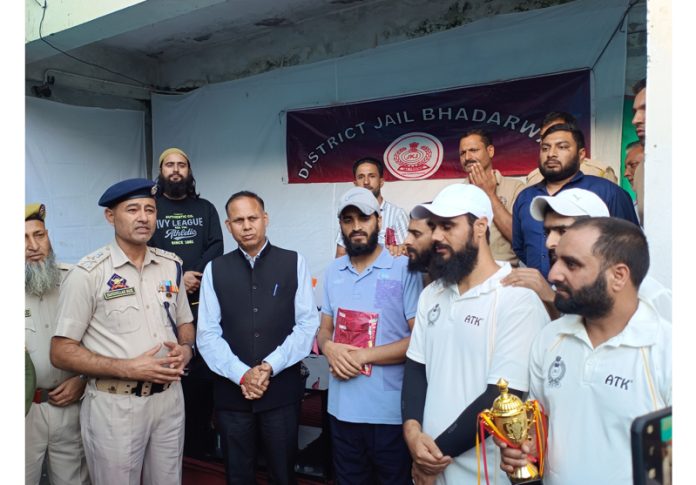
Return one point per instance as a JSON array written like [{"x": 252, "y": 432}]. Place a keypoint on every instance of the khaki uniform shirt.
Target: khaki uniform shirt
[
  {"x": 507, "y": 190},
  {"x": 39, "y": 327},
  {"x": 639, "y": 189},
  {"x": 117, "y": 311},
  {"x": 588, "y": 167}
]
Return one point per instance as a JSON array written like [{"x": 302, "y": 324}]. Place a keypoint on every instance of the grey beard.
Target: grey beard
[{"x": 41, "y": 277}]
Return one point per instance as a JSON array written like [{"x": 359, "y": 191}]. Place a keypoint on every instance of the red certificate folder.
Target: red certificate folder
[{"x": 358, "y": 329}]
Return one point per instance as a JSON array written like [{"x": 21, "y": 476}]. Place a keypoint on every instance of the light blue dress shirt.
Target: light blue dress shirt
[
  {"x": 387, "y": 288},
  {"x": 296, "y": 346}
]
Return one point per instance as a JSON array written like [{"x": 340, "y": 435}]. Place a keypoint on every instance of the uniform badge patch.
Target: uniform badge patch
[
  {"x": 557, "y": 370},
  {"x": 118, "y": 287},
  {"x": 168, "y": 288},
  {"x": 433, "y": 314},
  {"x": 116, "y": 282}
]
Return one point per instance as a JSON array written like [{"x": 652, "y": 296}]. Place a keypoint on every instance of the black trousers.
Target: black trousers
[
  {"x": 199, "y": 437},
  {"x": 199, "y": 441},
  {"x": 369, "y": 453},
  {"x": 276, "y": 430}
]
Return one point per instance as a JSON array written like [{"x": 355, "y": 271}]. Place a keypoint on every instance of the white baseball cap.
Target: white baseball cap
[
  {"x": 569, "y": 203},
  {"x": 456, "y": 200},
  {"x": 361, "y": 198}
]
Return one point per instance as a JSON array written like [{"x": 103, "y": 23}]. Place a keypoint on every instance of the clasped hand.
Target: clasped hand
[
  {"x": 256, "y": 381},
  {"x": 345, "y": 361}
]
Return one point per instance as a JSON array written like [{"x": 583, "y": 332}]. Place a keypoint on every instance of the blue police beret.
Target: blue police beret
[{"x": 128, "y": 189}]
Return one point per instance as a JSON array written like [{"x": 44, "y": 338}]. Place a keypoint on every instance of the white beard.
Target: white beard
[{"x": 41, "y": 277}]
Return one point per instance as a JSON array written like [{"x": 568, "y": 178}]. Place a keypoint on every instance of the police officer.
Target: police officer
[
  {"x": 124, "y": 322},
  {"x": 52, "y": 424}
]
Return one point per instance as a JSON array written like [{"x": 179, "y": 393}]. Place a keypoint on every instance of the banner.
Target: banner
[{"x": 417, "y": 136}]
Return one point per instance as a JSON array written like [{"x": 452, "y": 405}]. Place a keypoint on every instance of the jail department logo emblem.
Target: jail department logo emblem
[
  {"x": 414, "y": 156},
  {"x": 557, "y": 370}
]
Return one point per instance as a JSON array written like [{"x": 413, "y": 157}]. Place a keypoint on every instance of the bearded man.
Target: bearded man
[
  {"x": 419, "y": 247},
  {"x": 52, "y": 425},
  {"x": 470, "y": 331},
  {"x": 562, "y": 147},
  {"x": 368, "y": 173},
  {"x": 189, "y": 226},
  {"x": 605, "y": 362},
  {"x": 368, "y": 308}
]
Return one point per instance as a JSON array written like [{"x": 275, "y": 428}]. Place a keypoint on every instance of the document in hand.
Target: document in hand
[{"x": 358, "y": 329}]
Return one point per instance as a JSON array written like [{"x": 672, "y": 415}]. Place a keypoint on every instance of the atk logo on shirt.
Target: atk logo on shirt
[
  {"x": 617, "y": 382},
  {"x": 557, "y": 370},
  {"x": 473, "y": 320}
]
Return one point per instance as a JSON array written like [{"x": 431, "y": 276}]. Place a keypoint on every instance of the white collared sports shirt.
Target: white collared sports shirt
[
  {"x": 467, "y": 342},
  {"x": 592, "y": 395},
  {"x": 658, "y": 295}
]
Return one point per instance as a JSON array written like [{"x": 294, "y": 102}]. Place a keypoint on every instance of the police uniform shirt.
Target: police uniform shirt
[
  {"x": 39, "y": 327},
  {"x": 507, "y": 190},
  {"x": 639, "y": 189},
  {"x": 592, "y": 395},
  {"x": 466, "y": 342},
  {"x": 117, "y": 311}
]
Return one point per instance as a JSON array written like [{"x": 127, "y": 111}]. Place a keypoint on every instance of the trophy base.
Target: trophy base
[{"x": 526, "y": 475}]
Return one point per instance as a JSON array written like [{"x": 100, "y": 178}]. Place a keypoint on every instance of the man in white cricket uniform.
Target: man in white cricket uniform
[
  {"x": 470, "y": 331},
  {"x": 604, "y": 363}
]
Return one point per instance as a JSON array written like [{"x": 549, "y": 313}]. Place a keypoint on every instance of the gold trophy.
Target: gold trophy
[{"x": 510, "y": 420}]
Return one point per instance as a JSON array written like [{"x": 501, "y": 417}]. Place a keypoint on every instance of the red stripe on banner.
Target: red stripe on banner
[{"x": 417, "y": 136}]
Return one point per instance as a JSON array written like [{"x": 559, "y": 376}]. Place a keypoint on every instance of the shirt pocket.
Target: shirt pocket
[
  {"x": 388, "y": 294},
  {"x": 122, "y": 315},
  {"x": 30, "y": 334}
]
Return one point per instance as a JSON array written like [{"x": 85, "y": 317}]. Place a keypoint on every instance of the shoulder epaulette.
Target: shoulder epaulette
[
  {"x": 65, "y": 266},
  {"x": 166, "y": 254},
  {"x": 92, "y": 260}
]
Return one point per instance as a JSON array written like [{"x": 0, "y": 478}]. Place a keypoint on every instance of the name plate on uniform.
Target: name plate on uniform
[{"x": 110, "y": 295}]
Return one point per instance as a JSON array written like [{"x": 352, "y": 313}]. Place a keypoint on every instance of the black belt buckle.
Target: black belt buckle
[
  {"x": 154, "y": 388},
  {"x": 137, "y": 390}
]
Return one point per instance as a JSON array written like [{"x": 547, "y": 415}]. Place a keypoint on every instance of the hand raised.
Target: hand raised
[{"x": 482, "y": 179}]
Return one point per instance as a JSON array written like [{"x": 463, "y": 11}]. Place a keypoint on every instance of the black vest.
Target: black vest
[{"x": 257, "y": 313}]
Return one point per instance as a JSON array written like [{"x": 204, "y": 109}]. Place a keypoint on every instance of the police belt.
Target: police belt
[
  {"x": 41, "y": 395},
  {"x": 136, "y": 388}
]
